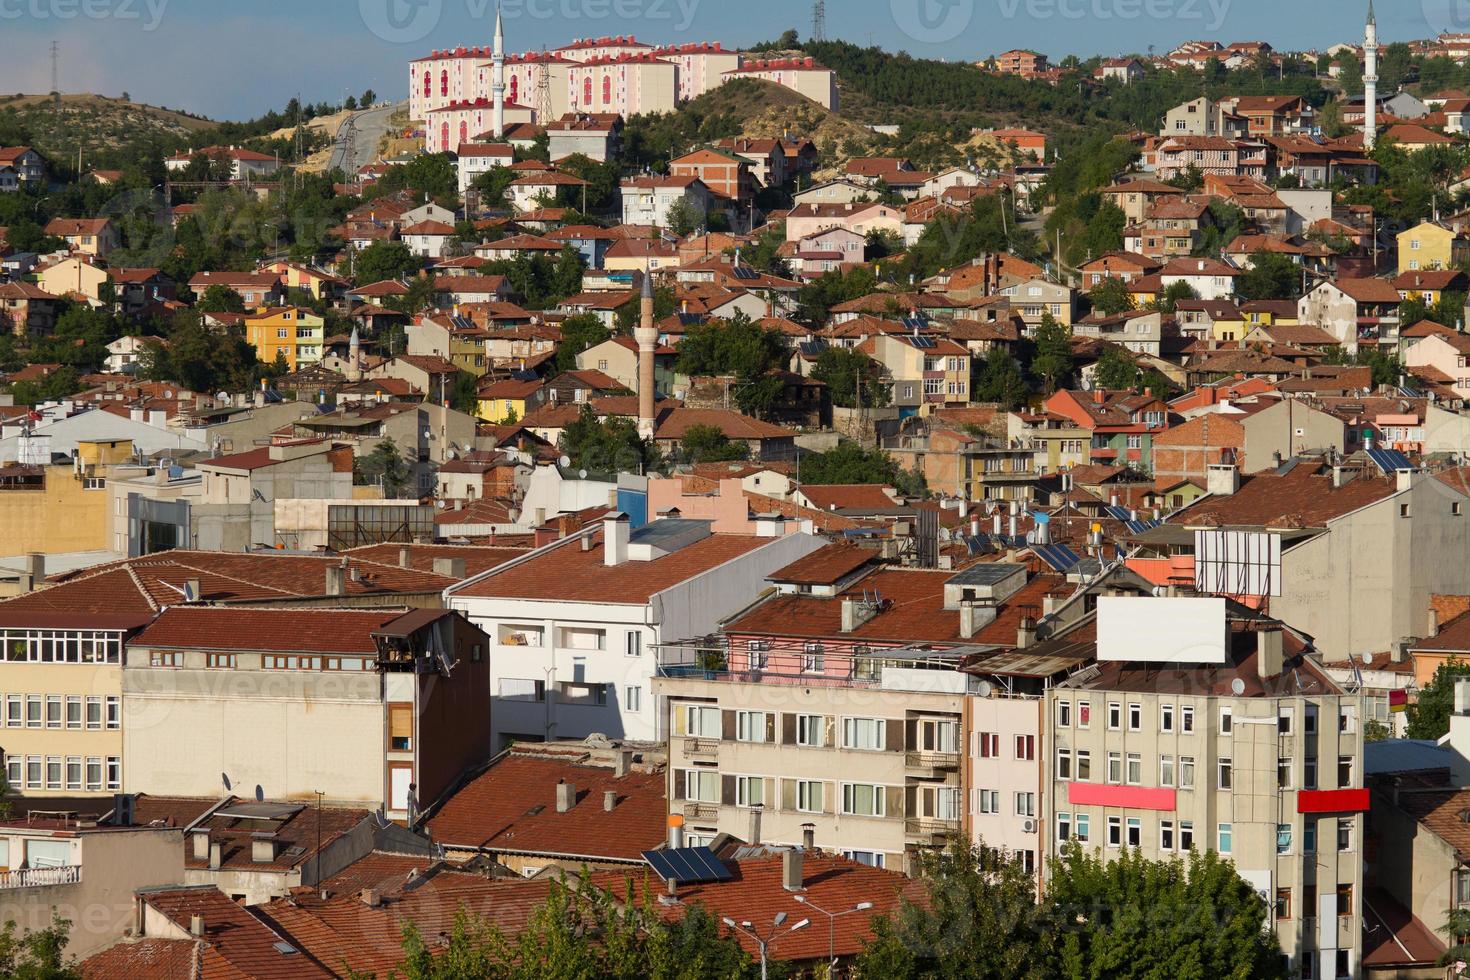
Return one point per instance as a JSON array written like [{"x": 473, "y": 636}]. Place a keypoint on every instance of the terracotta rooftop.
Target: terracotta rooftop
[
  {"x": 331, "y": 631},
  {"x": 1304, "y": 497},
  {"x": 296, "y": 834},
  {"x": 825, "y": 566},
  {"x": 853, "y": 496}
]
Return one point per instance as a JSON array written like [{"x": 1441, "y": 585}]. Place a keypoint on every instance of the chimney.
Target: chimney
[
  {"x": 193, "y": 589},
  {"x": 967, "y": 620},
  {"x": 609, "y": 800},
  {"x": 808, "y": 837},
  {"x": 262, "y": 848},
  {"x": 1342, "y": 476},
  {"x": 216, "y": 855},
  {"x": 791, "y": 869},
  {"x": 1026, "y": 633},
  {"x": 754, "y": 835},
  {"x": 622, "y": 762},
  {"x": 449, "y": 567},
  {"x": 1222, "y": 479},
  {"x": 566, "y": 796},
  {"x": 676, "y": 831},
  {"x": 1269, "y": 656},
  {"x": 615, "y": 533},
  {"x": 405, "y": 557},
  {"x": 1462, "y": 697},
  {"x": 336, "y": 580},
  {"x": 36, "y": 567},
  {"x": 372, "y": 898},
  {"x": 1405, "y": 478},
  {"x": 200, "y": 841},
  {"x": 196, "y": 926}
]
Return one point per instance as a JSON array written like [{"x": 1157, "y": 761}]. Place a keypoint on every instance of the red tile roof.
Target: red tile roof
[
  {"x": 512, "y": 807},
  {"x": 849, "y": 496},
  {"x": 165, "y": 959},
  {"x": 421, "y": 557},
  {"x": 1304, "y": 497},
  {"x": 333, "y": 631},
  {"x": 238, "y": 943},
  {"x": 825, "y": 566}
]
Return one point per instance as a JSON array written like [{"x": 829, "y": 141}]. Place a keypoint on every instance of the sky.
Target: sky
[{"x": 231, "y": 60}]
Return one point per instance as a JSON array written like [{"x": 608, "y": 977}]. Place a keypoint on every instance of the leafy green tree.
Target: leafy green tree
[
  {"x": 420, "y": 296},
  {"x": 851, "y": 377},
  {"x": 39, "y": 954},
  {"x": 999, "y": 380},
  {"x": 1110, "y": 297},
  {"x": 849, "y": 463},
  {"x": 1270, "y": 275},
  {"x": 1456, "y": 927},
  {"x": 384, "y": 467},
  {"x": 368, "y": 99},
  {"x": 432, "y": 175},
  {"x": 707, "y": 444},
  {"x": 610, "y": 445},
  {"x": 1429, "y": 715},
  {"x": 1449, "y": 310},
  {"x": 492, "y": 184},
  {"x": 60, "y": 383},
  {"x": 1053, "y": 361},
  {"x": 1173, "y": 294},
  {"x": 201, "y": 359},
  {"x": 682, "y": 217},
  {"x": 1116, "y": 370},
  {"x": 815, "y": 300},
  {"x": 384, "y": 260},
  {"x": 741, "y": 347},
  {"x": 578, "y": 333},
  {"x": 220, "y": 299}
]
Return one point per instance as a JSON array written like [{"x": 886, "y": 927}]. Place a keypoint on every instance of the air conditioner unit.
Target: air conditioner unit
[{"x": 1028, "y": 827}]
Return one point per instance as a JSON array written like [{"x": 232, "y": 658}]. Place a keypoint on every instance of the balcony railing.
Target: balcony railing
[
  {"x": 38, "y": 877},
  {"x": 930, "y": 826},
  {"x": 932, "y": 760},
  {"x": 701, "y": 746},
  {"x": 701, "y": 811}
]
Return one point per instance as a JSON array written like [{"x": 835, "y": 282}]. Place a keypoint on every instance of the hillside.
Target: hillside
[{"x": 93, "y": 122}]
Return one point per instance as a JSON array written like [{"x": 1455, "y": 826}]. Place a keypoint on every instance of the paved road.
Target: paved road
[{"x": 358, "y": 138}]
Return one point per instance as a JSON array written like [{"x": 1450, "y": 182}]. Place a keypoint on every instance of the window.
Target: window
[
  {"x": 400, "y": 727},
  {"x": 1344, "y": 771},
  {"x": 813, "y": 660},
  {"x": 1283, "y": 838},
  {"x": 862, "y": 733},
  {"x": 114, "y": 713},
  {"x": 74, "y": 711},
  {"x": 73, "y": 772},
  {"x": 1224, "y": 773},
  {"x": 1025, "y": 804},
  {"x": 15, "y": 710},
  {"x": 225, "y": 661},
  {"x": 53, "y": 711},
  {"x": 1064, "y": 714},
  {"x": 1115, "y": 767},
  {"x": 633, "y": 698},
  {"x": 939, "y": 736},
  {"x": 15, "y": 771},
  {"x": 810, "y": 797},
  {"x": 1084, "y": 765},
  {"x": 1115, "y": 831},
  {"x": 1283, "y": 774},
  {"x": 1227, "y": 720},
  {"x": 1166, "y": 717},
  {"x": 33, "y": 710},
  {"x": 704, "y": 722},
  {"x": 987, "y": 745},
  {"x": 811, "y": 731},
  {"x": 1186, "y": 719},
  {"x": 1166, "y": 835},
  {"x": 987, "y": 801},
  {"x": 1282, "y": 908},
  {"x": 633, "y": 644},
  {"x": 873, "y": 859},
  {"x": 1347, "y": 716},
  {"x": 1025, "y": 747},
  {"x": 1345, "y": 899},
  {"x": 1223, "y": 838},
  {"x": 1064, "y": 764},
  {"x": 1166, "y": 770},
  {"x": 751, "y": 726},
  {"x": 1186, "y": 835},
  {"x": 522, "y": 689},
  {"x": 862, "y": 800},
  {"x": 35, "y": 771},
  {"x": 53, "y": 772},
  {"x": 1084, "y": 714},
  {"x": 1284, "y": 720},
  {"x": 750, "y": 791},
  {"x": 702, "y": 785},
  {"x": 1309, "y": 836},
  {"x": 1135, "y": 832},
  {"x": 1309, "y": 774},
  {"x": 1344, "y": 833},
  {"x": 1309, "y": 720},
  {"x": 1064, "y": 826},
  {"x": 1115, "y": 716},
  {"x": 1135, "y": 717}
]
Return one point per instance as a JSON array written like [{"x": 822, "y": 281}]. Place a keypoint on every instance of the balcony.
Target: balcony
[
  {"x": 40, "y": 877},
  {"x": 931, "y": 827},
  {"x": 931, "y": 761},
  {"x": 701, "y": 811},
  {"x": 701, "y": 746}
]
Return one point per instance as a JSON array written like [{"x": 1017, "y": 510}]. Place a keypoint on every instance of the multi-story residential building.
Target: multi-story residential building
[
  {"x": 27, "y": 309},
  {"x": 237, "y": 506},
  {"x": 652, "y": 200},
  {"x": 1019, "y": 61},
  {"x": 1141, "y": 331},
  {"x": 58, "y": 509},
  {"x": 804, "y": 76},
  {"x": 381, "y": 708},
  {"x": 28, "y": 166},
  {"x": 728, "y": 177},
  {"x": 1034, "y": 299},
  {"x": 1135, "y": 197},
  {"x": 85, "y": 236},
  {"x": 702, "y": 65},
  {"x": 574, "y": 627},
  {"x": 1056, "y": 442},
  {"x": 480, "y": 158},
  {"x": 1357, "y": 312},
  {"x": 1216, "y": 729},
  {"x": 962, "y": 463},
  {"x": 1121, "y": 424},
  {"x": 238, "y": 162},
  {"x": 922, "y": 369},
  {"x": 289, "y": 334},
  {"x": 1429, "y": 245},
  {"x": 255, "y": 289},
  {"x": 1204, "y": 154},
  {"x": 595, "y": 135}
]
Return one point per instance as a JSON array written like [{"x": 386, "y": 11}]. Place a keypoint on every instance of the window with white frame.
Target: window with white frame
[
  {"x": 986, "y": 801},
  {"x": 1064, "y": 764},
  {"x": 704, "y": 721},
  {"x": 750, "y": 791},
  {"x": 810, "y": 796},
  {"x": 1186, "y": 719},
  {"x": 751, "y": 726},
  {"x": 862, "y": 733},
  {"x": 862, "y": 799},
  {"x": 1115, "y": 831},
  {"x": 702, "y": 785},
  {"x": 1166, "y": 770},
  {"x": 1166, "y": 717},
  {"x": 811, "y": 731}
]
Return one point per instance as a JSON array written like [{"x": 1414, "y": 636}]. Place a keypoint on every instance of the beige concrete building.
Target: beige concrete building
[{"x": 56, "y": 509}]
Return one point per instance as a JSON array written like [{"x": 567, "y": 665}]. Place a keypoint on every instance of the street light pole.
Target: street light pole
[
  {"x": 832, "y": 918},
  {"x": 764, "y": 943}
]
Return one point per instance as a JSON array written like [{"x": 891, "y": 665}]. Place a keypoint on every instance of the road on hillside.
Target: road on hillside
[{"x": 359, "y": 137}]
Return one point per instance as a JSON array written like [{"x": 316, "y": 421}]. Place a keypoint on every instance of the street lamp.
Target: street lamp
[
  {"x": 765, "y": 942},
  {"x": 832, "y": 918}
]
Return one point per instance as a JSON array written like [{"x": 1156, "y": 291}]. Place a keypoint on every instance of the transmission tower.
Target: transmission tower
[
  {"x": 56, "y": 74},
  {"x": 819, "y": 20},
  {"x": 543, "y": 91}
]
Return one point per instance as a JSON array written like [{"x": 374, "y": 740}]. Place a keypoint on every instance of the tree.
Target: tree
[
  {"x": 851, "y": 377},
  {"x": 1053, "y": 361},
  {"x": 1111, "y": 297},
  {"x": 578, "y": 333},
  {"x": 384, "y": 467},
  {"x": 1270, "y": 275},
  {"x": 1174, "y": 294},
  {"x": 384, "y": 260},
  {"x": 741, "y": 347},
  {"x": 1000, "y": 380},
  {"x": 368, "y": 98},
  {"x": 58, "y": 384},
  {"x": 201, "y": 359},
  {"x": 221, "y": 299},
  {"x": 1115, "y": 370},
  {"x": 1429, "y": 716},
  {"x": 1456, "y": 927},
  {"x": 38, "y": 954},
  {"x": 351, "y": 104},
  {"x": 707, "y": 444},
  {"x": 682, "y": 217},
  {"x": 849, "y": 463},
  {"x": 610, "y": 445},
  {"x": 491, "y": 186}
]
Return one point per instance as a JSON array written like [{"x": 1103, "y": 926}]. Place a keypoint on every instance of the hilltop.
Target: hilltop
[{"x": 93, "y": 122}]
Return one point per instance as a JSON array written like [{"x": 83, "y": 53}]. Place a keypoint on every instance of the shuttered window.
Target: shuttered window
[{"x": 400, "y": 727}]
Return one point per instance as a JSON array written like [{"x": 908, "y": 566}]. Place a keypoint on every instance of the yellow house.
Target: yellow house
[
  {"x": 1229, "y": 327},
  {"x": 1270, "y": 313},
  {"x": 317, "y": 284},
  {"x": 506, "y": 399},
  {"x": 59, "y": 509},
  {"x": 1430, "y": 246},
  {"x": 287, "y": 331},
  {"x": 73, "y": 275}
]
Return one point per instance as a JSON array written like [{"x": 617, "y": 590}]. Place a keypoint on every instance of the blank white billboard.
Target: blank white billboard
[
  {"x": 1246, "y": 563},
  {"x": 1161, "y": 630}
]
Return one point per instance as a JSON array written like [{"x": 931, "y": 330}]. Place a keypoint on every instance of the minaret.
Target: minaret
[
  {"x": 1370, "y": 81},
  {"x": 354, "y": 357},
  {"x": 646, "y": 334},
  {"x": 497, "y": 81}
]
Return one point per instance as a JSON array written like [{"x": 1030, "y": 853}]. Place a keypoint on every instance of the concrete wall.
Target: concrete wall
[{"x": 1274, "y": 430}]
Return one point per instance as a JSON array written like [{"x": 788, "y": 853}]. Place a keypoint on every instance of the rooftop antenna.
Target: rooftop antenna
[
  {"x": 224, "y": 777},
  {"x": 819, "y": 20}
]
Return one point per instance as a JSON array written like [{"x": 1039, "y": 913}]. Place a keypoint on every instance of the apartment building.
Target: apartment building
[
  {"x": 290, "y": 334},
  {"x": 375, "y": 708},
  {"x": 575, "y": 626},
  {"x": 1216, "y": 729}
]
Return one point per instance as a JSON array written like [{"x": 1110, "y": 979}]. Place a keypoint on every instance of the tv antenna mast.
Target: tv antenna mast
[
  {"x": 543, "y": 90},
  {"x": 819, "y": 20},
  {"x": 56, "y": 75}
]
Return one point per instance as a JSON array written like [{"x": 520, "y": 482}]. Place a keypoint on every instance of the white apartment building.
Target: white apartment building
[{"x": 574, "y": 627}]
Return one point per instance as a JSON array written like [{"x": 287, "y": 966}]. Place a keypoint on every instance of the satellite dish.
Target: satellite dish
[
  {"x": 582, "y": 474},
  {"x": 225, "y": 778},
  {"x": 1367, "y": 659},
  {"x": 380, "y": 818},
  {"x": 985, "y": 689},
  {"x": 259, "y": 794},
  {"x": 1237, "y": 686},
  {"x": 566, "y": 462}
]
